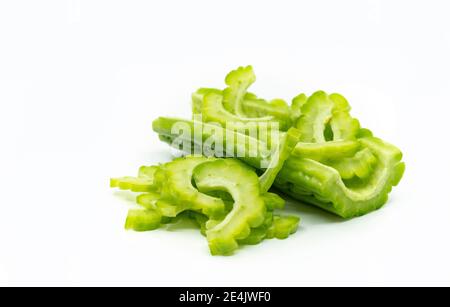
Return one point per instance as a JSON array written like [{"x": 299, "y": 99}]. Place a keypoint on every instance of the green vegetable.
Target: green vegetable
[
  {"x": 213, "y": 111},
  {"x": 144, "y": 182},
  {"x": 258, "y": 234},
  {"x": 200, "y": 220},
  {"x": 296, "y": 108},
  {"x": 359, "y": 165},
  {"x": 234, "y": 106},
  {"x": 238, "y": 82},
  {"x": 248, "y": 210},
  {"x": 286, "y": 145},
  {"x": 234, "y": 143},
  {"x": 148, "y": 200},
  {"x": 253, "y": 106},
  {"x": 134, "y": 184},
  {"x": 319, "y": 184},
  {"x": 325, "y": 187},
  {"x": 273, "y": 201},
  {"x": 326, "y": 118},
  {"x": 274, "y": 227},
  {"x": 222, "y": 196},
  {"x": 333, "y": 150},
  {"x": 282, "y": 227},
  {"x": 198, "y": 96},
  {"x": 241, "y": 146},
  {"x": 143, "y": 220},
  {"x": 179, "y": 195}
]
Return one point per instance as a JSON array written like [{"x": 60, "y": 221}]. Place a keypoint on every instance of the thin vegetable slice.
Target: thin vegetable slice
[
  {"x": 213, "y": 110},
  {"x": 253, "y": 106},
  {"x": 282, "y": 227},
  {"x": 235, "y": 106},
  {"x": 273, "y": 201},
  {"x": 143, "y": 220},
  {"x": 179, "y": 195},
  {"x": 258, "y": 234},
  {"x": 148, "y": 200},
  {"x": 144, "y": 182},
  {"x": 198, "y": 96},
  {"x": 287, "y": 143},
  {"x": 134, "y": 184},
  {"x": 326, "y": 118},
  {"x": 296, "y": 107},
  {"x": 248, "y": 211},
  {"x": 238, "y": 82}
]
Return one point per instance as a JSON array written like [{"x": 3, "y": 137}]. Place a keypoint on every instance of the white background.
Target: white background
[{"x": 81, "y": 82}]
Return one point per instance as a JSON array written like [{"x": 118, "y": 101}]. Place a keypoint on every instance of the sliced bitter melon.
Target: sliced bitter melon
[
  {"x": 144, "y": 182},
  {"x": 179, "y": 195},
  {"x": 248, "y": 211}
]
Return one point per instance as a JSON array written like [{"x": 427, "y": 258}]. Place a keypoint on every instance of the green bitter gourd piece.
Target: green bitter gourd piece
[
  {"x": 248, "y": 211},
  {"x": 282, "y": 227},
  {"x": 287, "y": 143},
  {"x": 319, "y": 184},
  {"x": 143, "y": 220},
  {"x": 179, "y": 195},
  {"x": 238, "y": 82},
  {"x": 144, "y": 182}
]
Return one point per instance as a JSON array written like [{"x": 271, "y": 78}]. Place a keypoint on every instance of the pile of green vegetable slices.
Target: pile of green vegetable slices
[{"x": 319, "y": 155}]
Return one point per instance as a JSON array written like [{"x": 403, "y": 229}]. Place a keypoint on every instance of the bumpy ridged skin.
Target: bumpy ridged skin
[
  {"x": 246, "y": 221},
  {"x": 198, "y": 96},
  {"x": 330, "y": 161},
  {"x": 360, "y": 165},
  {"x": 286, "y": 144},
  {"x": 238, "y": 82},
  {"x": 282, "y": 227},
  {"x": 321, "y": 185},
  {"x": 347, "y": 157},
  {"x": 248, "y": 211},
  {"x": 296, "y": 107},
  {"x": 254, "y": 107},
  {"x": 273, "y": 201},
  {"x": 321, "y": 112},
  {"x": 164, "y": 127},
  {"x": 274, "y": 227},
  {"x": 178, "y": 194},
  {"x": 257, "y": 235},
  {"x": 316, "y": 113},
  {"x": 235, "y": 106}
]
